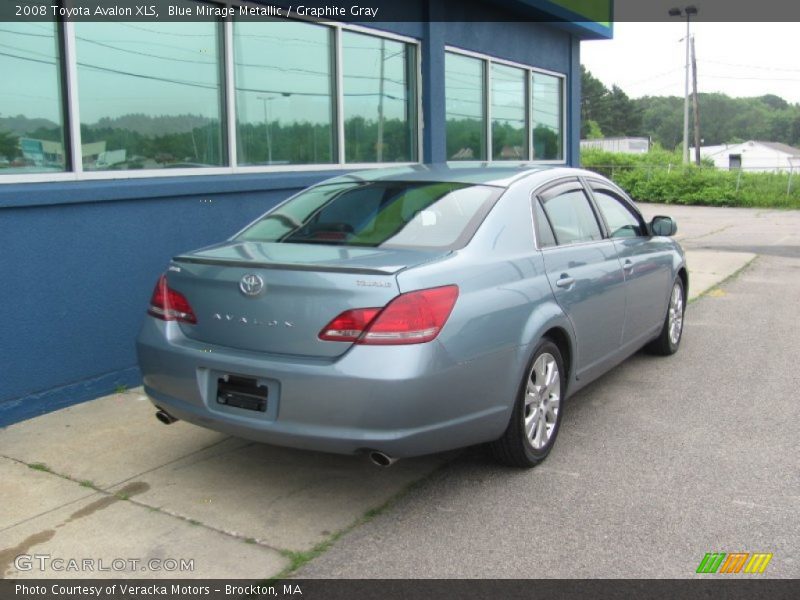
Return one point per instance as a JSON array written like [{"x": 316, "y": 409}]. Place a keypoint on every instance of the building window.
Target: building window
[
  {"x": 379, "y": 99},
  {"x": 509, "y": 139},
  {"x": 32, "y": 136},
  {"x": 466, "y": 107},
  {"x": 525, "y": 109},
  {"x": 546, "y": 116},
  {"x": 149, "y": 95},
  {"x": 194, "y": 96},
  {"x": 284, "y": 93}
]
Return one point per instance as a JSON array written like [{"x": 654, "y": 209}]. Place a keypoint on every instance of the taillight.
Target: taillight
[
  {"x": 349, "y": 325},
  {"x": 169, "y": 305},
  {"x": 412, "y": 318}
]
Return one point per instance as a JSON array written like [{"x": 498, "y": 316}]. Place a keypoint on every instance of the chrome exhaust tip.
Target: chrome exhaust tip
[
  {"x": 165, "y": 417},
  {"x": 380, "y": 459}
]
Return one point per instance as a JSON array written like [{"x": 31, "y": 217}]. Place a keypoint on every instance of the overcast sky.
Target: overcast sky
[{"x": 738, "y": 59}]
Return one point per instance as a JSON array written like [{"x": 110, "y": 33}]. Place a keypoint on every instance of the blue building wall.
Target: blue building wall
[{"x": 79, "y": 259}]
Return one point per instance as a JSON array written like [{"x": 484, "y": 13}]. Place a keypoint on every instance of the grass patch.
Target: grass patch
[
  {"x": 89, "y": 484},
  {"x": 121, "y": 389},
  {"x": 40, "y": 467},
  {"x": 299, "y": 559}
]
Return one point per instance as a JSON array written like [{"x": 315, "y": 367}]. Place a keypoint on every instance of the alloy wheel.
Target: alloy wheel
[
  {"x": 542, "y": 400},
  {"x": 675, "y": 314}
]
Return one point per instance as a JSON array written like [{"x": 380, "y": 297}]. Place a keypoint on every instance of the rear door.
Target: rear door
[
  {"x": 584, "y": 272},
  {"x": 646, "y": 262}
]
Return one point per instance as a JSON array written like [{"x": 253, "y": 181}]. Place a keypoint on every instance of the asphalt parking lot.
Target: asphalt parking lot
[{"x": 657, "y": 463}]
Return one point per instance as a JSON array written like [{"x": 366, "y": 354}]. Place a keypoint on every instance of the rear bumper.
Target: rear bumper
[{"x": 400, "y": 400}]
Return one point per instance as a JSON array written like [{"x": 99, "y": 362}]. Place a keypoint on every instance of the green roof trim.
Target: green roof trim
[
  {"x": 589, "y": 19},
  {"x": 597, "y": 11}
]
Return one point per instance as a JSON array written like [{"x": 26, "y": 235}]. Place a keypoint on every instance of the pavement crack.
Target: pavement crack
[
  {"x": 195, "y": 522},
  {"x": 170, "y": 462},
  {"x": 706, "y": 234},
  {"x": 302, "y": 558},
  {"x": 55, "y": 508}
]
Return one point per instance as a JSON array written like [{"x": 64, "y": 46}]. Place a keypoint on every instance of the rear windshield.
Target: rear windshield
[{"x": 386, "y": 214}]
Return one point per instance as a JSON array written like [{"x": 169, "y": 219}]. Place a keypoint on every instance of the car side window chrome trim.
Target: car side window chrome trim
[
  {"x": 535, "y": 194},
  {"x": 596, "y": 185},
  {"x": 556, "y": 188}
]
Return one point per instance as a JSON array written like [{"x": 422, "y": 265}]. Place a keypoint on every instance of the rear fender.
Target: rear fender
[{"x": 545, "y": 317}]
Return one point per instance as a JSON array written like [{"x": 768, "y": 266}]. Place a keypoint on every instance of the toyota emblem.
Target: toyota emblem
[{"x": 251, "y": 284}]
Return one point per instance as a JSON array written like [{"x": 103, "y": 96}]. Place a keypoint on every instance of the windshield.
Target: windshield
[{"x": 388, "y": 214}]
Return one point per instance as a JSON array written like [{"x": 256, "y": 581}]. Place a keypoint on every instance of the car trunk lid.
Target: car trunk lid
[{"x": 277, "y": 297}]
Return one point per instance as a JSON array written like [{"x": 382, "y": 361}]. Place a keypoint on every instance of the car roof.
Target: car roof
[{"x": 494, "y": 174}]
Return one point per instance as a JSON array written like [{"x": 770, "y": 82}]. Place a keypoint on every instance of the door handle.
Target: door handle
[
  {"x": 565, "y": 281},
  {"x": 627, "y": 266}
]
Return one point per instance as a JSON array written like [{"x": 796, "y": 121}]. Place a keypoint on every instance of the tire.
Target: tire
[
  {"x": 669, "y": 340},
  {"x": 535, "y": 404}
]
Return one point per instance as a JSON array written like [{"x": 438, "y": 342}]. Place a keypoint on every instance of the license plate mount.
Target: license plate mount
[{"x": 242, "y": 392}]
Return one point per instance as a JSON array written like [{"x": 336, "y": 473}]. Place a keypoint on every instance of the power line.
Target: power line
[
  {"x": 706, "y": 76},
  {"x": 657, "y": 76},
  {"x": 326, "y": 74},
  {"x": 758, "y": 67}
]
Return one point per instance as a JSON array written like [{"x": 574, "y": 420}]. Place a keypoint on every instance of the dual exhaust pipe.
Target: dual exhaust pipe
[
  {"x": 377, "y": 458},
  {"x": 380, "y": 459},
  {"x": 165, "y": 417}
]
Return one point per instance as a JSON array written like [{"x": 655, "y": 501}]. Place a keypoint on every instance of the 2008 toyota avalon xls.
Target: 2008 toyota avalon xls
[{"x": 404, "y": 312}]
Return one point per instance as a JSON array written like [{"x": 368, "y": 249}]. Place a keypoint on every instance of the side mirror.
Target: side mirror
[{"x": 665, "y": 226}]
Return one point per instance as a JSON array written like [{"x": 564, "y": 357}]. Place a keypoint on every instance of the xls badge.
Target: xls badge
[{"x": 251, "y": 285}]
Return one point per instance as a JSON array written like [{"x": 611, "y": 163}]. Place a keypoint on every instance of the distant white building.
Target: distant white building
[
  {"x": 625, "y": 145},
  {"x": 753, "y": 156}
]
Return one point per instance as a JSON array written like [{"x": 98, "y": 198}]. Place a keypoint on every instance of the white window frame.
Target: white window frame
[
  {"x": 228, "y": 116},
  {"x": 488, "y": 60}
]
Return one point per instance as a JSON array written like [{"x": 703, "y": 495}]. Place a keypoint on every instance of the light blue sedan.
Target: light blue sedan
[{"x": 415, "y": 310}]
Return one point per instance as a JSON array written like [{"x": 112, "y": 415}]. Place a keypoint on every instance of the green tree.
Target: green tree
[
  {"x": 8, "y": 145},
  {"x": 593, "y": 131},
  {"x": 624, "y": 117},
  {"x": 611, "y": 110},
  {"x": 594, "y": 100}
]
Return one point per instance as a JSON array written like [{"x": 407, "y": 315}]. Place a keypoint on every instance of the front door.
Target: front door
[
  {"x": 646, "y": 263},
  {"x": 585, "y": 275}
]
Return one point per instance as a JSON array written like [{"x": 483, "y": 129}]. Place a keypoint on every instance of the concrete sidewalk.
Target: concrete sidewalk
[{"x": 104, "y": 481}]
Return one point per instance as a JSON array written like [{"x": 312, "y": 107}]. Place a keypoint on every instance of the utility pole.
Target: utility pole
[
  {"x": 686, "y": 101},
  {"x": 266, "y": 100},
  {"x": 268, "y": 119},
  {"x": 696, "y": 108},
  {"x": 687, "y": 12},
  {"x": 379, "y": 149}
]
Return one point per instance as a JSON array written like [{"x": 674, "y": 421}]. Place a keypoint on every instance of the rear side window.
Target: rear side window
[
  {"x": 379, "y": 214},
  {"x": 543, "y": 229},
  {"x": 572, "y": 217}
]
